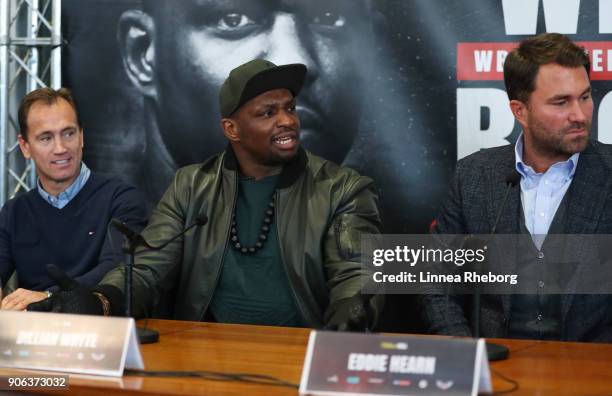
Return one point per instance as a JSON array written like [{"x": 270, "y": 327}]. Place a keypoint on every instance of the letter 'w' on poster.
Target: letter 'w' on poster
[
  {"x": 376, "y": 364},
  {"x": 69, "y": 343}
]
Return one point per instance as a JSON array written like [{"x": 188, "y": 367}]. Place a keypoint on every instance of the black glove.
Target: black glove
[
  {"x": 72, "y": 297},
  {"x": 350, "y": 314}
]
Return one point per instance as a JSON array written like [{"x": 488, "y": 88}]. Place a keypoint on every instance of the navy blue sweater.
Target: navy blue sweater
[{"x": 33, "y": 233}]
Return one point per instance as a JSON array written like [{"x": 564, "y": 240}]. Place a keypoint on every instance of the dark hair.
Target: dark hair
[
  {"x": 523, "y": 63},
  {"x": 48, "y": 96}
]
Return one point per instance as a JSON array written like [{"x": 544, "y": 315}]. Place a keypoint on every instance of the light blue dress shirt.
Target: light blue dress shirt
[
  {"x": 542, "y": 193},
  {"x": 68, "y": 194}
]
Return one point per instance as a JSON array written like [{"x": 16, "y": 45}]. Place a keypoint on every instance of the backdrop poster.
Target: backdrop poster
[{"x": 398, "y": 90}]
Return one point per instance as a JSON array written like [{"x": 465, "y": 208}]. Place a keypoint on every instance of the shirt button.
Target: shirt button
[
  {"x": 540, "y": 284},
  {"x": 540, "y": 255},
  {"x": 542, "y": 214},
  {"x": 546, "y": 182}
]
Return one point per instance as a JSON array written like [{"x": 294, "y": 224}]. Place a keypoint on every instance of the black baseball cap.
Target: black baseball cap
[{"x": 256, "y": 77}]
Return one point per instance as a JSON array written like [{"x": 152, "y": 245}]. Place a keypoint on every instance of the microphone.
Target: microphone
[
  {"x": 130, "y": 234},
  {"x": 512, "y": 179},
  {"x": 137, "y": 239},
  {"x": 133, "y": 240},
  {"x": 200, "y": 220},
  {"x": 470, "y": 241},
  {"x": 494, "y": 351}
]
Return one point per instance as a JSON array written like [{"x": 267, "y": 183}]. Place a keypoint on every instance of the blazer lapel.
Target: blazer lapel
[{"x": 497, "y": 173}]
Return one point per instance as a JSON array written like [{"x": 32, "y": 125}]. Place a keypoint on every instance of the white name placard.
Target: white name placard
[
  {"x": 68, "y": 343},
  {"x": 373, "y": 364}
]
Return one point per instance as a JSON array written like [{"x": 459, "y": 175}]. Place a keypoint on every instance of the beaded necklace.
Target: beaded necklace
[{"x": 263, "y": 235}]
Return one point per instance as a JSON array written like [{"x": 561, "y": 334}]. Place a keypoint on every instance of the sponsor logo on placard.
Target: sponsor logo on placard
[
  {"x": 98, "y": 356},
  {"x": 403, "y": 383},
  {"x": 353, "y": 380},
  {"x": 444, "y": 385},
  {"x": 333, "y": 379},
  {"x": 400, "y": 346}
]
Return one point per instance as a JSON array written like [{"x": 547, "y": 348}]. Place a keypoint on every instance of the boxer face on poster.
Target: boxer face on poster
[{"x": 177, "y": 53}]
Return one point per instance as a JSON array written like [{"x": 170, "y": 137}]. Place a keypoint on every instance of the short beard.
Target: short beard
[{"x": 555, "y": 144}]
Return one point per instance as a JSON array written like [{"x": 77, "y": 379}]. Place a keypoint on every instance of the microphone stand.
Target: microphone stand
[
  {"x": 495, "y": 351},
  {"x": 130, "y": 242},
  {"x": 145, "y": 335}
]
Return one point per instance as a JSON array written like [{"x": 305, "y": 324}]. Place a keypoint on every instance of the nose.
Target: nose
[
  {"x": 58, "y": 146},
  {"x": 289, "y": 42},
  {"x": 287, "y": 119},
  {"x": 580, "y": 111}
]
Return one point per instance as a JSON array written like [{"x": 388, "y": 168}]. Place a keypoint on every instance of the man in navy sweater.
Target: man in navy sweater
[{"x": 64, "y": 220}]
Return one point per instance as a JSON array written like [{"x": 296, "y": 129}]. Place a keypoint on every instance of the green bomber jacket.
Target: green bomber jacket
[{"x": 321, "y": 211}]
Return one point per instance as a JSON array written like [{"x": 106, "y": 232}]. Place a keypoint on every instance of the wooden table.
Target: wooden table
[{"x": 540, "y": 368}]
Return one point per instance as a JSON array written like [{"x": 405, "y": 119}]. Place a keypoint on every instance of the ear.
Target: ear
[
  {"x": 82, "y": 138},
  {"x": 24, "y": 147},
  {"x": 520, "y": 112},
  {"x": 136, "y": 36},
  {"x": 230, "y": 129}
]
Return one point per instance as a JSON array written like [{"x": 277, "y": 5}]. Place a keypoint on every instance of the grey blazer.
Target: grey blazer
[{"x": 475, "y": 195}]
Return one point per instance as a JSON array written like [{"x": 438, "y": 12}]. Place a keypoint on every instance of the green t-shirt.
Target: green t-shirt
[{"x": 254, "y": 289}]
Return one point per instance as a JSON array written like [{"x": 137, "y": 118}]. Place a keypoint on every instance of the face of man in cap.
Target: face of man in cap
[
  {"x": 264, "y": 132},
  {"x": 179, "y": 53}
]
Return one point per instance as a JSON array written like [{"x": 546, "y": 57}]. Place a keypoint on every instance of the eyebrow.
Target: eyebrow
[
  {"x": 273, "y": 102},
  {"x": 557, "y": 97},
  {"x": 68, "y": 128}
]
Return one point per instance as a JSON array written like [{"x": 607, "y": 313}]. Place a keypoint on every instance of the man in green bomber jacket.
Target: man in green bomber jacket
[{"x": 282, "y": 244}]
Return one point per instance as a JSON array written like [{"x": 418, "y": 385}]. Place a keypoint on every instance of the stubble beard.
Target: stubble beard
[{"x": 557, "y": 143}]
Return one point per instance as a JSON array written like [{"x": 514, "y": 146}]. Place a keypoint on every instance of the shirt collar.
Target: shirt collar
[
  {"x": 69, "y": 193},
  {"x": 568, "y": 167}
]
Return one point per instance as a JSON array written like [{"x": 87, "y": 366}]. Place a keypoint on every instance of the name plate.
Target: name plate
[
  {"x": 374, "y": 364},
  {"x": 68, "y": 343}
]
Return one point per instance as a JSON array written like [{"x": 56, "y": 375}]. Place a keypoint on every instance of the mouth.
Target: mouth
[
  {"x": 61, "y": 162},
  {"x": 577, "y": 132},
  {"x": 285, "y": 141}
]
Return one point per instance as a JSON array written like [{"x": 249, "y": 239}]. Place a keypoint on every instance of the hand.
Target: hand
[
  {"x": 349, "y": 314},
  {"x": 72, "y": 298},
  {"x": 21, "y": 298}
]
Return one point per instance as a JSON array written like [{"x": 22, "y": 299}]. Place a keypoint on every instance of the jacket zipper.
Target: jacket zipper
[
  {"x": 224, "y": 250},
  {"x": 280, "y": 247}
]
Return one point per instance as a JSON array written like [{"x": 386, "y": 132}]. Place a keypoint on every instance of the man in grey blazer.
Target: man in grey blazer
[{"x": 565, "y": 188}]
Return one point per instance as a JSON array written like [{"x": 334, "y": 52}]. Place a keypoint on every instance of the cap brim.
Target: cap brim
[{"x": 290, "y": 77}]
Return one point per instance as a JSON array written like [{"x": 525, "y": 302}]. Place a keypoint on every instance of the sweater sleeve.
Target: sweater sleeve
[
  {"x": 6, "y": 260},
  {"x": 153, "y": 270},
  {"x": 127, "y": 205}
]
